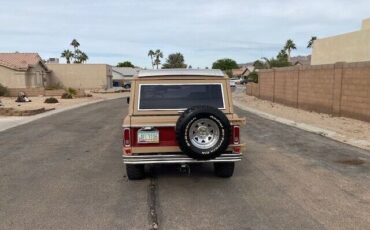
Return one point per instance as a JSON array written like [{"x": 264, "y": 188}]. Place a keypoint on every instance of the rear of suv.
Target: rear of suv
[{"x": 180, "y": 116}]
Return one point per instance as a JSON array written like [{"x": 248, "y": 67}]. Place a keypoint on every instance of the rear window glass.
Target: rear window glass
[{"x": 174, "y": 96}]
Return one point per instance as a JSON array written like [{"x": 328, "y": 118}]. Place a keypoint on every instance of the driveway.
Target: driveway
[{"x": 65, "y": 172}]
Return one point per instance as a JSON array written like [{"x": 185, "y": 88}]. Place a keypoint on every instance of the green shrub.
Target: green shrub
[
  {"x": 51, "y": 100},
  {"x": 72, "y": 91},
  {"x": 67, "y": 96},
  {"x": 253, "y": 77},
  {"x": 3, "y": 90}
]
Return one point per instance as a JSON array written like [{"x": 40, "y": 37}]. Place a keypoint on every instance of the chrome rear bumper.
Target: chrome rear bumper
[{"x": 178, "y": 158}]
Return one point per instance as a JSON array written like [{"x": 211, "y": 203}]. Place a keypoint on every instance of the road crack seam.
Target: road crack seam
[{"x": 153, "y": 219}]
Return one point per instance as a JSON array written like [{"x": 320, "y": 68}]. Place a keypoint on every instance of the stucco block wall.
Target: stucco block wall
[
  {"x": 349, "y": 47},
  {"x": 80, "y": 76},
  {"x": 253, "y": 89},
  {"x": 35, "y": 76},
  {"x": 285, "y": 90},
  {"x": 355, "y": 98},
  {"x": 11, "y": 78},
  {"x": 315, "y": 89},
  {"x": 342, "y": 89},
  {"x": 34, "y": 92},
  {"x": 31, "y": 92},
  {"x": 266, "y": 86}
]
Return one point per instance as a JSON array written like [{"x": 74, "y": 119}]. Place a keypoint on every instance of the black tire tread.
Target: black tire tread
[
  {"x": 135, "y": 172},
  {"x": 224, "y": 169}
]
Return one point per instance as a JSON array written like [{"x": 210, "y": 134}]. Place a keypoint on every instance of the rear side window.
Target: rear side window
[{"x": 180, "y": 96}]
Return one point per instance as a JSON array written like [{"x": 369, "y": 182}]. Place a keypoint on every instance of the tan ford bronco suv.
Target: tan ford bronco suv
[{"x": 181, "y": 116}]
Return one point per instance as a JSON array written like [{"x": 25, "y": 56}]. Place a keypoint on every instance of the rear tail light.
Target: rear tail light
[
  {"x": 236, "y": 134},
  {"x": 126, "y": 137}
]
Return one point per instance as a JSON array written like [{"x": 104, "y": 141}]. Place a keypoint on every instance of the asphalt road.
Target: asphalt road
[{"x": 65, "y": 172}]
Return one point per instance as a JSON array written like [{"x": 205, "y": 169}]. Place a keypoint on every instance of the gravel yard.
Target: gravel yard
[
  {"x": 346, "y": 128},
  {"x": 38, "y": 102}
]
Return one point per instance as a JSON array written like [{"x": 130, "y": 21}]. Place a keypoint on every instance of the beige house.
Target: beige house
[
  {"x": 80, "y": 76},
  {"x": 349, "y": 47},
  {"x": 242, "y": 71},
  {"x": 22, "y": 70}
]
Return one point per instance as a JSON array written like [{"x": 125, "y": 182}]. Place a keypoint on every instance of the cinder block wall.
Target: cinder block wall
[
  {"x": 315, "y": 91},
  {"x": 266, "y": 85},
  {"x": 341, "y": 89},
  {"x": 253, "y": 89},
  {"x": 285, "y": 86},
  {"x": 355, "y": 91}
]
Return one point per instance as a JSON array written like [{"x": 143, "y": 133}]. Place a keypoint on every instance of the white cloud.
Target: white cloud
[{"x": 111, "y": 31}]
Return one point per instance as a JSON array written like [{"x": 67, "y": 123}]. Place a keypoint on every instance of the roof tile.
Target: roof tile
[{"x": 19, "y": 61}]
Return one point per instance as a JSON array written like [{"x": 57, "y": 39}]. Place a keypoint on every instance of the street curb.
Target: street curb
[
  {"x": 363, "y": 144},
  {"x": 52, "y": 112}
]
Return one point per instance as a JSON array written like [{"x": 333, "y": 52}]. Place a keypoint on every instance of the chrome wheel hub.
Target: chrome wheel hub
[{"x": 204, "y": 133}]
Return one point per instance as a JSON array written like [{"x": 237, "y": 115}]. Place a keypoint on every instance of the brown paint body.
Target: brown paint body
[{"x": 168, "y": 118}]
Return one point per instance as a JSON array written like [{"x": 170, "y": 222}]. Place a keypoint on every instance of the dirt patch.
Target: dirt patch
[
  {"x": 37, "y": 103},
  {"x": 15, "y": 112}
]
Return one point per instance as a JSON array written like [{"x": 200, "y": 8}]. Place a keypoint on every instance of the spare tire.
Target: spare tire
[{"x": 203, "y": 132}]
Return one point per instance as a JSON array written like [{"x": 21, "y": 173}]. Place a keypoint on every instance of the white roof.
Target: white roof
[
  {"x": 181, "y": 72},
  {"x": 126, "y": 71}
]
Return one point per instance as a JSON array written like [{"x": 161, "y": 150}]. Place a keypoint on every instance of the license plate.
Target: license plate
[{"x": 148, "y": 136}]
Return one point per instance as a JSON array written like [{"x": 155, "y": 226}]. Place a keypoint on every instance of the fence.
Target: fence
[{"x": 341, "y": 89}]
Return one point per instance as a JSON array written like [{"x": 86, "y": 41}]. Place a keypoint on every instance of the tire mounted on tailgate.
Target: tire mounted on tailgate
[{"x": 203, "y": 132}]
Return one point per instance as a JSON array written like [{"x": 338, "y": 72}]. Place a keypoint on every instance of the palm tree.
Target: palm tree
[
  {"x": 83, "y": 57},
  {"x": 158, "y": 54},
  {"x": 289, "y": 46},
  {"x": 80, "y": 57},
  {"x": 151, "y": 55},
  {"x": 77, "y": 55},
  {"x": 75, "y": 44},
  {"x": 67, "y": 54},
  {"x": 311, "y": 41},
  {"x": 157, "y": 62},
  {"x": 267, "y": 62}
]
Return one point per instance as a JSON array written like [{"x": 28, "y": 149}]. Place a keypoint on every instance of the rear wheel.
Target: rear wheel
[
  {"x": 135, "y": 172},
  {"x": 224, "y": 169}
]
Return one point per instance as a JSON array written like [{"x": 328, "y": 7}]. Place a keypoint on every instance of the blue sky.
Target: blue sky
[{"x": 203, "y": 30}]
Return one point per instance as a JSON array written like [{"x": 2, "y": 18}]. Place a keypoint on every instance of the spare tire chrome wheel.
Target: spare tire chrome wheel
[{"x": 204, "y": 133}]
